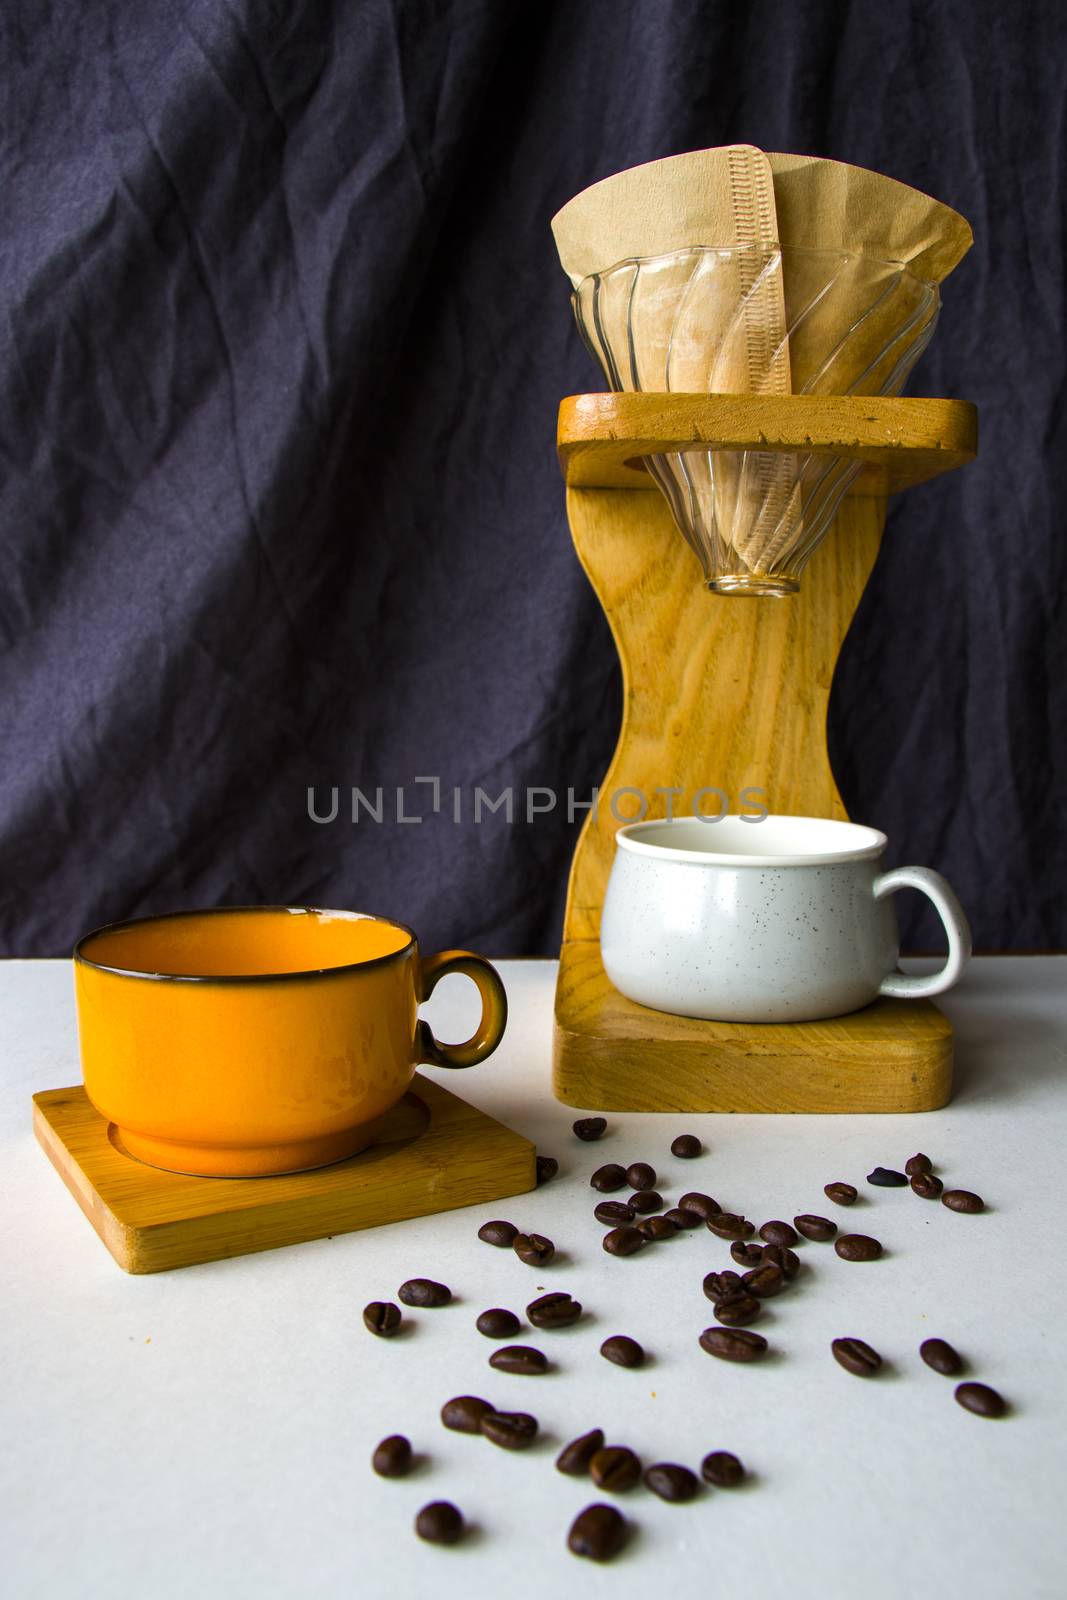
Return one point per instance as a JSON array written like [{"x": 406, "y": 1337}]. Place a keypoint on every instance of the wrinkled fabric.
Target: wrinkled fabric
[{"x": 283, "y": 338}]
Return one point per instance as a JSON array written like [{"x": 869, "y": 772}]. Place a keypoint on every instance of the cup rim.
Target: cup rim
[
  {"x": 868, "y": 845},
  {"x": 79, "y": 955}
]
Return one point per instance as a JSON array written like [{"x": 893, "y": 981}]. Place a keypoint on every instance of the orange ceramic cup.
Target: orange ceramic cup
[{"x": 243, "y": 1042}]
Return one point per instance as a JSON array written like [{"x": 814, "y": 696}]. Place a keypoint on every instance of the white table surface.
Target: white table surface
[{"x": 207, "y": 1432}]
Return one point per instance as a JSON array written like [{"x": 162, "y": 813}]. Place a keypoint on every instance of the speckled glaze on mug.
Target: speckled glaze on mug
[{"x": 787, "y": 919}]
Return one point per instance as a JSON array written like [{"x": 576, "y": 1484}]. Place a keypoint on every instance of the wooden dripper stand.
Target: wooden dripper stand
[{"x": 756, "y": 410}]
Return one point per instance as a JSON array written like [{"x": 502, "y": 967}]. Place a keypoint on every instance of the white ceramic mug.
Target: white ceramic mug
[{"x": 787, "y": 919}]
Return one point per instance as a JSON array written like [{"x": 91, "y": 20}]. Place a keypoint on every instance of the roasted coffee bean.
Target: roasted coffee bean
[
  {"x": 622, "y": 1351},
  {"x": 589, "y": 1128},
  {"x": 682, "y": 1219},
  {"x": 464, "y": 1414},
  {"x": 886, "y": 1178},
  {"x": 722, "y": 1469},
  {"x": 818, "y": 1228},
  {"x": 498, "y": 1324},
  {"x": 856, "y": 1357},
  {"x": 608, "y": 1179},
  {"x": 737, "y": 1310},
  {"x": 392, "y": 1458},
  {"x": 939, "y": 1354},
  {"x": 598, "y": 1533},
  {"x": 720, "y": 1285},
  {"x": 926, "y": 1186},
  {"x": 671, "y": 1482},
  {"x": 614, "y": 1212},
  {"x": 440, "y": 1523},
  {"x": 657, "y": 1228},
  {"x": 521, "y": 1359},
  {"x": 687, "y": 1147},
  {"x": 919, "y": 1163},
  {"x": 786, "y": 1260},
  {"x": 575, "y": 1457},
  {"x": 645, "y": 1200},
  {"x": 615, "y": 1468},
  {"x": 746, "y": 1252},
  {"x": 624, "y": 1241},
  {"x": 981, "y": 1399},
  {"x": 962, "y": 1200},
  {"x": 857, "y": 1247},
  {"x": 553, "y": 1311},
  {"x": 424, "y": 1292},
  {"x": 779, "y": 1233},
  {"x": 639, "y": 1175},
  {"x": 534, "y": 1249},
  {"x": 725, "y": 1225},
  {"x": 765, "y": 1280},
  {"x": 383, "y": 1318},
  {"x": 547, "y": 1167},
  {"x": 502, "y": 1234},
  {"x": 511, "y": 1430},
  {"x": 702, "y": 1204},
  {"x": 842, "y": 1194},
  {"x": 733, "y": 1344}
]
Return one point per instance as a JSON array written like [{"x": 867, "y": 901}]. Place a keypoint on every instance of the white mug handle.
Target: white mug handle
[{"x": 955, "y": 924}]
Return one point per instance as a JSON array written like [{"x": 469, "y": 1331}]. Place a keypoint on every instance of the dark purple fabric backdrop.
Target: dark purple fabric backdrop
[{"x": 283, "y": 338}]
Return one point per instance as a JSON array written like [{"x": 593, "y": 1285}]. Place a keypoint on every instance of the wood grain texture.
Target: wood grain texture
[
  {"x": 902, "y": 442},
  {"x": 434, "y": 1153}
]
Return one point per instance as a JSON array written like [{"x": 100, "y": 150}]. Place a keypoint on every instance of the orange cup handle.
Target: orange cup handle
[{"x": 494, "y": 1010}]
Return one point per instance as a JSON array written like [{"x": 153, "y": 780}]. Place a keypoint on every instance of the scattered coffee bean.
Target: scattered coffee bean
[
  {"x": 720, "y": 1285},
  {"x": 746, "y": 1252},
  {"x": 614, "y": 1213},
  {"x": 842, "y": 1194},
  {"x": 857, "y": 1247},
  {"x": 502, "y": 1234},
  {"x": 382, "y": 1317},
  {"x": 856, "y": 1357},
  {"x": 464, "y": 1414},
  {"x": 939, "y": 1354},
  {"x": 424, "y": 1292},
  {"x": 639, "y": 1175},
  {"x": 962, "y": 1200},
  {"x": 737, "y": 1309},
  {"x": 919, "y": 1163},
  {"x": 702, "y": 1204},
  {"x": 440, "y": 1523},
  {"x": 575, "y": 1457},
  {"x": 682, "y": 1219},
  {"x": 511, "y": 1430},
  {"x": 598, "y": 1533},
  {"x": 671, "y": 1482},
  {"x": 725, "y": 1225},
  {"x": 818, "y": 1228},
  {"x": 553, "y": 1311},
  {"x": 779, "y": 1233},
  {"x": 926, "y": 1186},
  {"x": 886, "y": 1178},
  {"x": 622, "y": 1351},
  {"x": 521, "y": 1359},
  {"x": 722, "y": 1469},
  {"x": 624, "y": 1241},
  {"x": 786, "y": 1260},
  {"x": 657, "y": 1228},
  {"x": 392, "y": 1458},
  {"x": 687, "y": 1147},
  {"x": 547, "y": 1167},
  {"x": 615, "y": 1468},
  {"x": 498, "y": 1324},
  {"x": 981, "y": 1399},
  {"x": 534, "y": 1249},
  {"x": 608, "y": 1179},
  {"x": 589, "y": 1128},
  {"x": 765, "y": 1280},
  {"x": 646, "y": 1200},
  {"x": 733, "y": 1344}
]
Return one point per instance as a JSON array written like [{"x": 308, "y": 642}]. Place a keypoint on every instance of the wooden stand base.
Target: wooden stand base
[
  {"x": 613, "y": 1055},
  {"x": 434, "y": 1153}
]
